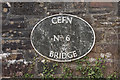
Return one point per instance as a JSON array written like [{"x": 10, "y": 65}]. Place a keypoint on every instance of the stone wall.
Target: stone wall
[{"x": 18, "y": 19}]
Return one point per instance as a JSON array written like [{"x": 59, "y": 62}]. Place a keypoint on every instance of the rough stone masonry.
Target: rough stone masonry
[{"x": 18, "y": 19}]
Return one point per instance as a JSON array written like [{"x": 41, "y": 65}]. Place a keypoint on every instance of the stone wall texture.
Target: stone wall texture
[{"x": 18, "y": 19}]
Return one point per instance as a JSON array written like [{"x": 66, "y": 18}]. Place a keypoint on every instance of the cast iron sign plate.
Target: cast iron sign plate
[{"x": 62, "y": 37}]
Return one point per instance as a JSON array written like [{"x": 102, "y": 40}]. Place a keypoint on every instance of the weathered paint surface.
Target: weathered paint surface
[
  {"x": 63, "y": 37},
  {"x": 18, "y": 20}
]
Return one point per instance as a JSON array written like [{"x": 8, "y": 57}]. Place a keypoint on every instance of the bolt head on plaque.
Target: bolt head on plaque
[{"x": 62, "y": 37}]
